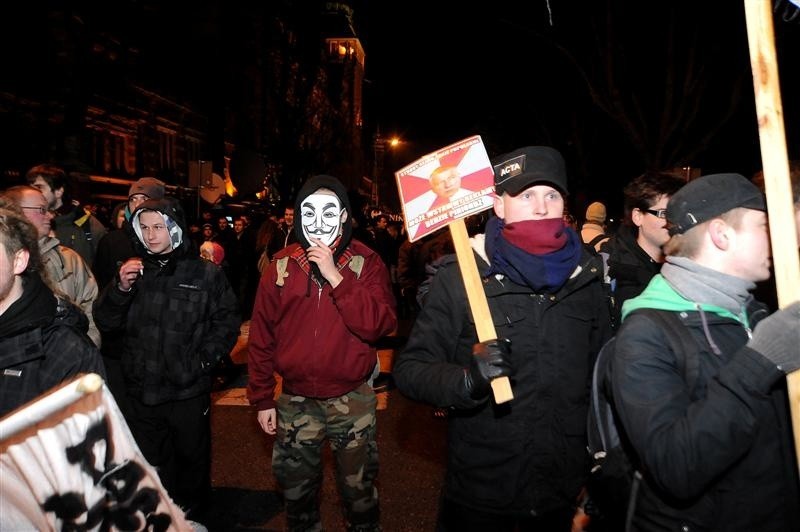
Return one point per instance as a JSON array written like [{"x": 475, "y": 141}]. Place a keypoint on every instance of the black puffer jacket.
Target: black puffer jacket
[
  {"x": 178, "y": 321},
  {"x": 528, "y": 454}
]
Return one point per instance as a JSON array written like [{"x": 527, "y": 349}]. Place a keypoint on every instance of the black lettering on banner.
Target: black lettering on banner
[{"x": 126, "y": 505}]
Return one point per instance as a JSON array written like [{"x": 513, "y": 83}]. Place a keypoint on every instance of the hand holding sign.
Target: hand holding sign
[{"x": 433, "y": 198}]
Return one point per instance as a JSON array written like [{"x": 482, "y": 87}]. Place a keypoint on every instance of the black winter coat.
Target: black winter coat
[
  {"x": 527, "y": 455},
  {"x": 48, "y": 347},
  {"x": 721, "y": 458},
  {"x": 629, "y": 267},
  {"x": 180, "y": 318}
]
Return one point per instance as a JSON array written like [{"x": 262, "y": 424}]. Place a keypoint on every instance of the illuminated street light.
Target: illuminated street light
[{"x": 379, "y": 147}]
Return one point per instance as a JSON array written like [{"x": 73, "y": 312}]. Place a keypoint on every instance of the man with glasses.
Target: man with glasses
[
  {"x": 40, "y": 346},
  {"x": 635, "y": 254},
  {"x": 177, "y": 316},
  {"x": 66, "y": 270}
]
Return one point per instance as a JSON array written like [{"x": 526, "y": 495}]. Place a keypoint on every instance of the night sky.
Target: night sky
[{"x": 616, "y": 89}]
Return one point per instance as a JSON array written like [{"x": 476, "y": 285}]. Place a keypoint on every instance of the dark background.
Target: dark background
[{"x": 617, "y": 86}]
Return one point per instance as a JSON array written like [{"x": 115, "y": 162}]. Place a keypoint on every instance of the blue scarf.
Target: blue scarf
[{"x": 545, "y": 273}]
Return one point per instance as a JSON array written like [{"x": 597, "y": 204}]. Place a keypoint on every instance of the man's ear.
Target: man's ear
[
  {"x": 343, "y": 217},
  {"x": 499, "y": 206},
  {"x": 21, "y": 259},
  {"x": 59, "y": 192},
  {"x": 719, "y": 231}
]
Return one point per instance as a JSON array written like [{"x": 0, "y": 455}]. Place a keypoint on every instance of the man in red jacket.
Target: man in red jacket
[{"x": 321, "y": 305}]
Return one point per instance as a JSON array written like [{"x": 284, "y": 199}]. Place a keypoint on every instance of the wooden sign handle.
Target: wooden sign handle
[
  {"x": 501, "y": 386},
  {"x": 774, "y": 160}
]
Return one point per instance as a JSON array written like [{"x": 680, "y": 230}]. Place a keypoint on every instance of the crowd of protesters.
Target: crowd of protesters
[{"x": 114, "y": 280}]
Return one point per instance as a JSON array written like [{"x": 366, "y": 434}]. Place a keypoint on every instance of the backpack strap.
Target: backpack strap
[
  {"x": 682, "y": 342},
  {"x": 593, "y": 242},
  {"x": 281, "y": 265},
  {"x": 602, "y": 412}
]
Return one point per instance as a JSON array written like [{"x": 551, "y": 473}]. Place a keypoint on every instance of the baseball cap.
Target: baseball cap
[
  {"x": 707, "y": 197},
  {"x": 523, "y": 167}
]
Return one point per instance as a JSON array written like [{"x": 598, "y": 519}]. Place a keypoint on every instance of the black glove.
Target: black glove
[
  {"x": 489, "y": 360},
  {"x": 777, "y": 338}
]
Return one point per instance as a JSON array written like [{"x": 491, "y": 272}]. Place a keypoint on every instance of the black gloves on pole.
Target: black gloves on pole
[{"x": 490, "y": 360}]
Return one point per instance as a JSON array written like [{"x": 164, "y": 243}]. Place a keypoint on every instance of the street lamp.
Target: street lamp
[
  {"x": 379, "y": 145},
  {"x": 378, "y": 150}
]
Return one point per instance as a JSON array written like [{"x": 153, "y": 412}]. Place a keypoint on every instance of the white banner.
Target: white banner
[{"x": 68, "y": 461}]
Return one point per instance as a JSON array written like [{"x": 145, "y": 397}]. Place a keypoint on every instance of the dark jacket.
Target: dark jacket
[
  {"x": 78, "y": 230},
  {"x": 112, "y": 250},
  {"x": 629, "y": 267},
  {"x": 527, "y": 455},
  {"x": 721, "y": 458},
  {"x": 43, "y": 343},
  {"x": 178, "y": 320}
]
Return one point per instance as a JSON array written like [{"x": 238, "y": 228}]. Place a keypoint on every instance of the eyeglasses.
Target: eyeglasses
[
  {"x": 40, "y": 210},
  {"x": 658, "y": 213}
]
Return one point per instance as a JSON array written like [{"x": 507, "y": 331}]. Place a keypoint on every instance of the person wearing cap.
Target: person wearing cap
[
  {"x": 177, "y": 316},
  {"x": 593, "y": 232},
  {"x": 117, "y": 246},
  {"x": 717, "y": 455},
  {"x": 634, "y": 252},
  {"x": 322, "y": 304},
  {"x": 72, "y": 226},
  {"x": 519, "y": 465},
  {"x": 114, "y": 248}
]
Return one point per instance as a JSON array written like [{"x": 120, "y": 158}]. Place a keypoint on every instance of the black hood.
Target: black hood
[
  {"x": 309, "y": 187},
  {"x": 175, "y": 220}
]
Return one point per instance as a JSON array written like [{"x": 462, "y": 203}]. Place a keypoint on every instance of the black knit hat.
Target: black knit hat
[
  {"x": 523, "y": 167},
  {"x": 709, "y": 196}
]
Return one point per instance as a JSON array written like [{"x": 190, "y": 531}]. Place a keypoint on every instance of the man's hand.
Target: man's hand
[
  {"x": 322, "y": 256},
  {"x": 129, "y": 273},
  {"x": 490, "y": 360},
  {"x": 777, "y": 338},
  {"x": 266, "y": 418}
]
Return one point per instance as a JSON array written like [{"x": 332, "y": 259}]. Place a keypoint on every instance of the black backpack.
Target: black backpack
[{"x": 613, "y": 478}]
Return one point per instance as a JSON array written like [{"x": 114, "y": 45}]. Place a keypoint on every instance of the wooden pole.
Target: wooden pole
[
  {"x": 775, "y": 163},
  {"x": 501, "y": 387}
]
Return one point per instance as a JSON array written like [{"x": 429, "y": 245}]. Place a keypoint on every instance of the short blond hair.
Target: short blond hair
[{"x": 688, "y": 244}]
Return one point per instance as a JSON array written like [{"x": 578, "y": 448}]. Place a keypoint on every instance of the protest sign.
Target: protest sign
[{"x": 441, "y": 189}]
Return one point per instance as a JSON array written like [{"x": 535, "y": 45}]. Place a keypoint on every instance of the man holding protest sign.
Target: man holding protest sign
[{"x": 521, "y": 463}]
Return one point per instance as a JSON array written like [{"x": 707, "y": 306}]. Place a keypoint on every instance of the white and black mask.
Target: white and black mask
[{"x": 321, "y": 216}]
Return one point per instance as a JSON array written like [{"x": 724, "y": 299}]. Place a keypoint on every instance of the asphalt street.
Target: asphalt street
[{"x": 411, "y": 443}]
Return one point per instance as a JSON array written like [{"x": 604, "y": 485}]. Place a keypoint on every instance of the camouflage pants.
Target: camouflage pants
[{"x": 348, "y": 423}]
